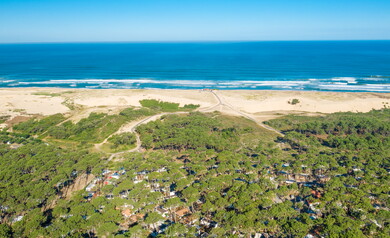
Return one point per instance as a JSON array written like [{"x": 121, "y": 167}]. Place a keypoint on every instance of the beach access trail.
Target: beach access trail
[{"x": 221, "y": 105}]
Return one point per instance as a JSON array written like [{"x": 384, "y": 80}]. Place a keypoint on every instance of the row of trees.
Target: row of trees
[{"x": 158, "y": 105}]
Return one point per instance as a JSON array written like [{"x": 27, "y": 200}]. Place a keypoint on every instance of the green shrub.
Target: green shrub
[
  {"x": 294, "y": 101},
  {"x": 126, "y": 138}
]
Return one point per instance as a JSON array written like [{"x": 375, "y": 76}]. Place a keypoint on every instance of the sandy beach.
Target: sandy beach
[{"x": 260, "y": 104}]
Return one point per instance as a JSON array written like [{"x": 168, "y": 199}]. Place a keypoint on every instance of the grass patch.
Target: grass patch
[
  {"x": 19, "y": 110},
  {"x": 4, "y": 119},
  {"x": 47, "y": 94},
  {"x": 288, "y": 122},
  {"x": 251, "y": 134},
  {"x": 69, "y": 103},
  {"x": 108, "y": 148},
  {"x": 120, "y": 142}
]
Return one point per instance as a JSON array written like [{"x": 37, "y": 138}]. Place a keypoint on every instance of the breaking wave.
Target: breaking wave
[{"x": 365, "y": 84}]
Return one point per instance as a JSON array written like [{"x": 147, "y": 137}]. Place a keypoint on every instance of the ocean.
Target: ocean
[{"x": 357, "y": 66}]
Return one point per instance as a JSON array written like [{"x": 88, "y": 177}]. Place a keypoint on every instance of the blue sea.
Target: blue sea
[{"x": 285, "y": 65}]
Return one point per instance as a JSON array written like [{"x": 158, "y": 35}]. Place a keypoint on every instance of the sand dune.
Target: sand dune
[{"x": 262, "y": 104}]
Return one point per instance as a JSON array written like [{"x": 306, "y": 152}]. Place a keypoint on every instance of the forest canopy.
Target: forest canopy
[{"x": 197, "y": 174}]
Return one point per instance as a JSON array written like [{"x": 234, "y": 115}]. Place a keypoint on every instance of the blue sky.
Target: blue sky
[{"x": 192, "y": 20}]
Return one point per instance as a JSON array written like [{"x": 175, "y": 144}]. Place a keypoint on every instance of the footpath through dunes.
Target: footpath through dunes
[
  {"x": 221, "y": 106},
  {"x": 222, "y": 103}
]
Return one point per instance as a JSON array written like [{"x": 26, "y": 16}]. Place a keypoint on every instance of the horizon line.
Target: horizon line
[{"x": 182, "y": 41}]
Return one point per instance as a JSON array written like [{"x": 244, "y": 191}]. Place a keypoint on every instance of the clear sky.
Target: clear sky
[{"x": 192, "y": 20}]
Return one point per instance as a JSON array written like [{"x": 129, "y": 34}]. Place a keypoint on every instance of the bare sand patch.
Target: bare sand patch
[
  {"x": 21, "y": 101},
  {"x": 323, "y": 102}
]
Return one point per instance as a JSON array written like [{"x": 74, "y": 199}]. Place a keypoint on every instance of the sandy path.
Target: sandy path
[{"x": 222, "y": 102}]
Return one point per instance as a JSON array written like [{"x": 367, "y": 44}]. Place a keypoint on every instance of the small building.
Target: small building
[
  {"x": 301, "y": 177},
  {"x": 191, "y": 219},
  {"x": 182, "y": 212},
  {"x": 205, "y": 222},
  {"x": 143, "y": 172},
  {"x": 316, "y": 194},
  {"x": 127, "y": 213},
  {"x": 290, "y": 181},
  {"x": 257, "y": 235},
  {"x": 90, "y": 195},
  {"x": 208, "y": 223},
  {"x": 114, "y": 176},
  {"x": 309, "y": 236},
  {"x": 137, "y": 217},
  {"x": 162, "y": 170},
  {"x": 124, "y": 194},
  {"x": 106, "y": 171},
  {"x": 18, "y": 218},
  {"x": 122, "y": 171},
  {"x": 137, "y": 181},
  {"x": 4, "y": 208},
  {"x": 90, "y": 187},
  {"x": 162, "y": 211},
  {"x": 323, "y": 178},
  {"x": 107, "y": 182}
]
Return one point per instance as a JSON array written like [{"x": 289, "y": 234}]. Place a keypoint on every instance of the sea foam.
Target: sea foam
[{"x": 332, "y": 84}]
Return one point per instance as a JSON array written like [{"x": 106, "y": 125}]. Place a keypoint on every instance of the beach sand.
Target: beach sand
[{"x": 260, "y": 104}]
